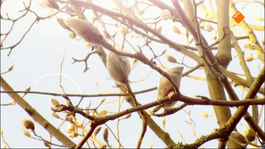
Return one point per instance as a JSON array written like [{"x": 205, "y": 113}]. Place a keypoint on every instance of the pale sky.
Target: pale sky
[{"x": 37, "y": 62}]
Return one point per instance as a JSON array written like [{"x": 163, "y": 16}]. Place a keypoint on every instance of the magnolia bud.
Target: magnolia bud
[
  {"x": 170, "y": 59},
  {"x": 165, "y": 14},
  {"x": 54, "y": 102},
  {"x": 84, "y": 29},
  {"x": 106, "y": 135},
  {"x": 28, "y": 124},
  {"x": 239, "y": 138},
  {"x": 49, "y": 4},
  {"x": 165, "y": 87},
  {"x": 119, "y": 67},
  {"x": 62, "y": 24},
  {"x": 97, "y": 131}
]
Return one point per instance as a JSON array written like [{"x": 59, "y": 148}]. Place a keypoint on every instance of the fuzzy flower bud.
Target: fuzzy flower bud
[
  {"x": 165, "y": 87},
  {"x": 165, "y": 14},
  {"x": 119, "y": 67},
  {"x": 49, "y": 4},
  {"x": 84, "y": 29}
]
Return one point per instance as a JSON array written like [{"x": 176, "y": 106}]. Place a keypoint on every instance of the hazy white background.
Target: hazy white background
[{"x": 37, "y": 61}]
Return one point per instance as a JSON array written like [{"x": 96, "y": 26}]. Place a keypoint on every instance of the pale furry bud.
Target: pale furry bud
[
  {"x": 165, "y": 14},
  {"x": 97, "y": 131},
  {"x": 163, "y": 123},
  {"x": 208, "y": 27},
  {"x": 69, "y": 9},
  {"x": 123, "y": 30},
  {"x": 175, "y": 29},
  {"x": 165, "y": 87},
  {"x": 250, "y": 46},
  {"x": 27, "y": 133},
  {"x": 170, "y": 59},
  {"x": 54, "y": 102},
  {"x": 72, "y": 35},
  {"x": 62, "y": 24},
  {"x": 103, "y": 112},
  {"x": 119, "y": 67},
  {"x": 49, "y": 4},
  {"x": 10, "y": 68},
  {"x": 73, "y": 134},
  {"x": 84, "y": 29},
  {"x": 249, "y": 58},
  {"x": 54, "y": 114}
]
